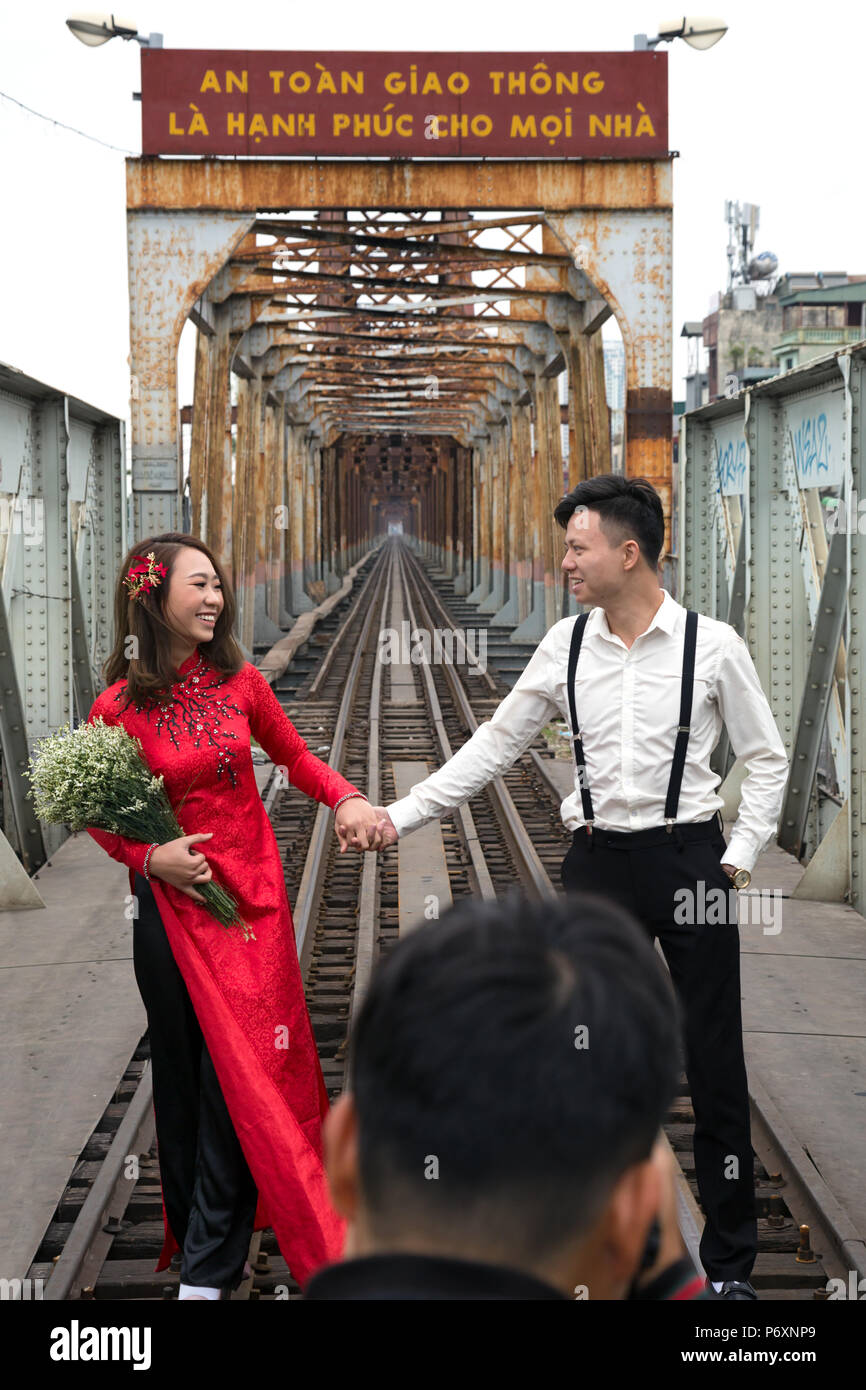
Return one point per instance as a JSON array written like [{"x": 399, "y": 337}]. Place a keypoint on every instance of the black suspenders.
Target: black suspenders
[
  {"x": 679, "y": 760},
  {"x": 577, "y": 742},
  {"x": 682, "y": 743}
]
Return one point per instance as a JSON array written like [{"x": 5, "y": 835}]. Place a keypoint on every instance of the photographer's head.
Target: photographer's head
[{"x": 510, "y": 1068}]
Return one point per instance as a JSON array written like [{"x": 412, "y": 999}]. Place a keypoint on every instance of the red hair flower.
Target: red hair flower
[{"x": 143, "y": 575}]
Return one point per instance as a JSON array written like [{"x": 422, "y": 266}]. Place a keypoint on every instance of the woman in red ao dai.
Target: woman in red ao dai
[{"x": 239, "y": 1096}]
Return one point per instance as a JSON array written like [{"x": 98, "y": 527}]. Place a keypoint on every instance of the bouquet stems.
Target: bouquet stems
[{"x": 220, "y": 902}]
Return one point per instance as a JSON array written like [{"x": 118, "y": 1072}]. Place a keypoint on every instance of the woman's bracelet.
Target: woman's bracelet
[
  {"x": 348, "y": 797},
  {"x": 150, "y": 850}
]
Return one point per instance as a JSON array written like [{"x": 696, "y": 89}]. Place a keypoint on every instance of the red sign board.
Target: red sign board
[{"x": 541, "y": 105}]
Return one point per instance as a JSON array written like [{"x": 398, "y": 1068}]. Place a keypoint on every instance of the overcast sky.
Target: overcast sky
[{"x": 771, "y": 115}]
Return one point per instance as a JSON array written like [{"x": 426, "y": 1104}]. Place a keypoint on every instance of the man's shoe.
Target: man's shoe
[{"x": 733, "y": 1289}]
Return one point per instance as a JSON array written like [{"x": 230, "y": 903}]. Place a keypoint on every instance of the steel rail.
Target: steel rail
[
  {"x": 87, "y": 1245},
  {"x": 312, "y": 879},
  {"x": 339, "y": 636},
  {"x": 483, "y": 880},
  {"x": 530, "y": 867},
  {"x": 368, "y": 902},
  {"x": 471, "y": 659}
]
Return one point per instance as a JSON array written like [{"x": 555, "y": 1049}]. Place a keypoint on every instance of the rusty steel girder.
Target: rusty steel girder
[
  {"x": 355, "y": 325},
  {"x": 223, "y": 185}
]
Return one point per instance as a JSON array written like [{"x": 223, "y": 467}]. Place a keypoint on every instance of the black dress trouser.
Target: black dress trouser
[
  {"x": 643, "y": 872},
  {"x": 209, "y": 1193}
]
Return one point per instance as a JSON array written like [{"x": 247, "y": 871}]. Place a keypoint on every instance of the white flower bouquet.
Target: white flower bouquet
[{"x": 97, "y": 776}]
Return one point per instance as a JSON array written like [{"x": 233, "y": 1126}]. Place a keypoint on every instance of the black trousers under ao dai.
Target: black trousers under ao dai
[{"x": 209, "y": 1193}]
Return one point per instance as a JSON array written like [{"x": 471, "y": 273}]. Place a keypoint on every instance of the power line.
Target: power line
[{"x": 95, "y": 138}]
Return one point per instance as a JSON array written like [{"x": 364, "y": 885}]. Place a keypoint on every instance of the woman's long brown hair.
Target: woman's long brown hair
[{"x": 146, "y": 662}]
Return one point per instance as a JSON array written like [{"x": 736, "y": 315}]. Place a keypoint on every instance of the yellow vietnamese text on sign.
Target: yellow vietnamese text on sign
[
  {"x": 363, "y": 125},
  {"x": 569, "y": 105},
  {"x": 539, "y": 82}
]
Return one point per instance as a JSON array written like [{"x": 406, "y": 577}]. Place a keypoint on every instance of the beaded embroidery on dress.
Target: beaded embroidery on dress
[{"x": 197, "y": 709}]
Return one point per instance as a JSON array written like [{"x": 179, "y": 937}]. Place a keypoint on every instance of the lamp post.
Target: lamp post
[
  {"x": 697, "y": 33},
  {"x": 96, "y": 29}
]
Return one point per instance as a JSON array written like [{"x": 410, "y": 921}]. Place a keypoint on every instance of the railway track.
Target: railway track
[{"x": 107, "y": 1230}]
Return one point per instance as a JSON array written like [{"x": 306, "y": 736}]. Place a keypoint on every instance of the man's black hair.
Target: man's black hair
[
  {"x": 628, "y": 509},
  {"x": 508, "y": 1064}
]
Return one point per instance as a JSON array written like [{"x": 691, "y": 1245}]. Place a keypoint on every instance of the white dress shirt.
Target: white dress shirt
[{"x": 628, "y": 708}]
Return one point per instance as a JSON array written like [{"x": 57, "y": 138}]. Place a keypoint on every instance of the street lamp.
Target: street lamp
[
  {"x": 96, "y": 29},
  {"x": 698, "y": 33}
]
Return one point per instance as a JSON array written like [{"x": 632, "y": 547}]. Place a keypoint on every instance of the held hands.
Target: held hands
[
  {"x": 385, "y": 827},
  {"x": 363, "y": 827},
  {"x": 359, "y": 825},
  {"x": 180, "y": 865}
]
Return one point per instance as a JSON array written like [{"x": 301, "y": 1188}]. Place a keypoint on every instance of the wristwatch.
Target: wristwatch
[{"x": 741, "y": 878}]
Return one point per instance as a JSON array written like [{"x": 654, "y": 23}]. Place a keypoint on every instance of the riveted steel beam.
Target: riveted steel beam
[
  {"x": 230, "y": 185},
  {"x": 797, "y": 580},
  {"x": 815, "y": 701},
  {"x": 172, "y": 257},
  {"x": 627, "y": 254}
]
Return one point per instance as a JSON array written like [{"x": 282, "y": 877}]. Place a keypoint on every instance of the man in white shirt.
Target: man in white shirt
[{"x": 645, "y": 811}]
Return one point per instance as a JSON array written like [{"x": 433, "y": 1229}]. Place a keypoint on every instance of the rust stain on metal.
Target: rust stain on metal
[
  {"x": 297, "y": 184},
  {"x": 649, "y": 412}
]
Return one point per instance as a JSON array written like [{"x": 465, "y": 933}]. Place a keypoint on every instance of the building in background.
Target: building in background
[
  {"x": 820, "y": 314},
  {"x": 739, "y": 334},
  {"x": 749, "y": 337},
  {"x": 765, "y": 323},
  {"x": 614, "y": 389},
  {"x": 697, "y": 379}
]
